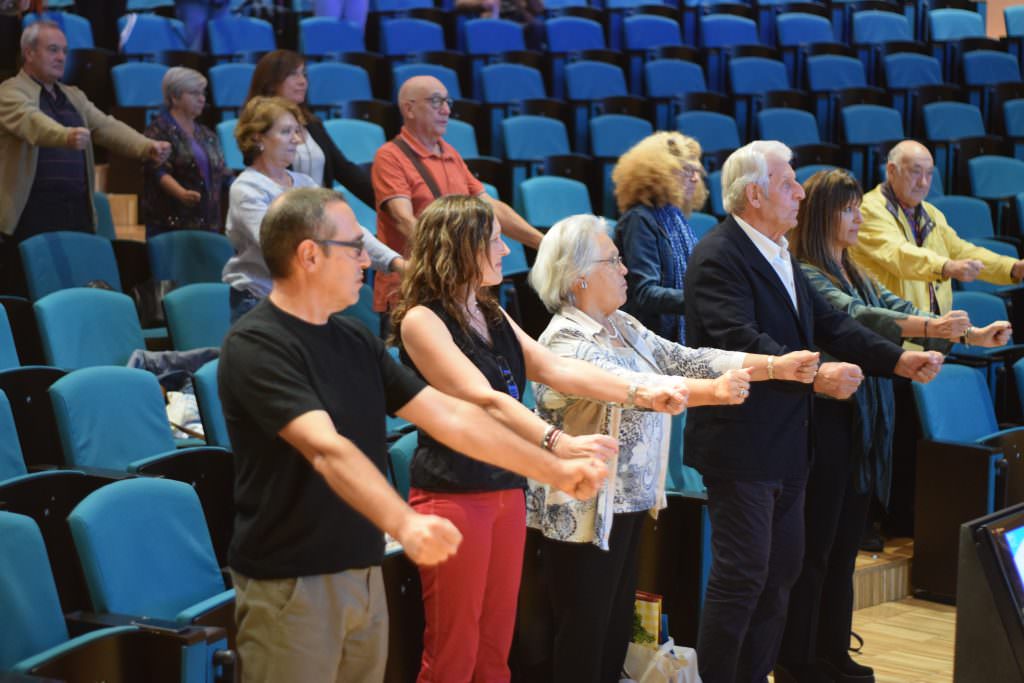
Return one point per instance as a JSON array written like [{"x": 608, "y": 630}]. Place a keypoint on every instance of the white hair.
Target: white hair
[
  {"x": 567, "y": 252},
  {"x": 749, "y": 165},
  {"x": 179, "y": 80},
  {"x": 31, "y": 33}
]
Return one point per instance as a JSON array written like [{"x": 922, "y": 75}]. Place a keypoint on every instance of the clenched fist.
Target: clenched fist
[
  {"x": 797, "y": 366},
  {"x": 581, "y": 477},
  {"x": 428, "y": 539},
  {"x": 78, "y": 138},
  {"x": 920, "y": 366},
  {"x": 732, "y": 387},
  {"x": 838, "y": 380}
]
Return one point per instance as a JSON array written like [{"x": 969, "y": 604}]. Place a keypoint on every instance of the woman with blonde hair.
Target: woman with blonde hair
[
  {"x": 457, "y": 337},
  {"x": 659, "y": 182}
]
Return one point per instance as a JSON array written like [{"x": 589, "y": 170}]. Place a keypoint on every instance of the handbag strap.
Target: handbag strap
[{"x": 424, "y": 172}]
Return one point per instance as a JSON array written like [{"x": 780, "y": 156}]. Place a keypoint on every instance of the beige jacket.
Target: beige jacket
[
  {"x": 887, "y": 250},
  {"x": 24, "y": 128}
]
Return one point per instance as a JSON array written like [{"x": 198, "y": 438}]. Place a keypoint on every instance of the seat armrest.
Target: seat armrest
[
  {"x": 155, "y": 464},
  {"x": 1007, "y": 440},
  {"x": 196, "y": 611},
  {"x": 50, "y": 658}
]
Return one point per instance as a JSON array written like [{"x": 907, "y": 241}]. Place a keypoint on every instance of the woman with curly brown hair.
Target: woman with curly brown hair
[
  {"x": 457, "y": 337},
  {"x": 658, "y": 183}
]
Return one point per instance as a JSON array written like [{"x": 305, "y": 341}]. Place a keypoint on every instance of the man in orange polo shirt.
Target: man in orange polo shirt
[{"x": 402, "y": 190}]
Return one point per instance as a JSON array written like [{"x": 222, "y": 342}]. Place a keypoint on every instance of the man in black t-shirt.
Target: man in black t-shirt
[{"x": 304, "y": 394}]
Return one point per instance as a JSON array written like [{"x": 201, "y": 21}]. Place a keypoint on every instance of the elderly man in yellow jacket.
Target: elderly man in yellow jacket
[{"x": 908, "y": 246}]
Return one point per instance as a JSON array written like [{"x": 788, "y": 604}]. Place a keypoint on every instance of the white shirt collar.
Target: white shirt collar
[
  {"x": 775, "y": 253},
  {"x": 766, "y": 245}
]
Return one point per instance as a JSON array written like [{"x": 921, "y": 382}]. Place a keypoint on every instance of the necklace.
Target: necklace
[
  {"x": 478, "y": 321},
  {"x": 614, "y": 333}
]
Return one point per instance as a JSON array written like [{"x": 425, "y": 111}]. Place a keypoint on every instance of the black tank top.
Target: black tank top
[{"x": 435, "y": 467}]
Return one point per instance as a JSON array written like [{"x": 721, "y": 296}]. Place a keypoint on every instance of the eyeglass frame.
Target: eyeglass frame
[
  {"x": 359, "y": 244},
  {"x": 436, "y": 101},
  {"x": 615, "y": 261}
]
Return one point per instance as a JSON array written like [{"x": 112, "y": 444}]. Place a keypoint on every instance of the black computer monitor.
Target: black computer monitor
[
  {"x": 1006, "y": 536},
  {"x": 991, "y": 583}
]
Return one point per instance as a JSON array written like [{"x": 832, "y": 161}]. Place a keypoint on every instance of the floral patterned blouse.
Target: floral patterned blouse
[{"x": 636, "y": 481}]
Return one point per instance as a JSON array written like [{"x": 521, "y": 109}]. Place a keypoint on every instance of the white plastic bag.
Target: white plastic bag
[{"x": 667, "y": 664}]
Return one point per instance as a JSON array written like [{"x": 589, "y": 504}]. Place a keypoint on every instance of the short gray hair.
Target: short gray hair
[
  {"x": 181, "y": 79},
  {"x": 749, "y": 164},
  {"x": 31, "y": 33},
  {"x": 297, "y": 215},
  {"x": 567, "y": 253}
]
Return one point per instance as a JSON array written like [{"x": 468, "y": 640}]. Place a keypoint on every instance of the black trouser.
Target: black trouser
[
  {"x": 757, "y": 544},
  {"x": 592, "y": 595},
  {"x": 821, "y": 602}
]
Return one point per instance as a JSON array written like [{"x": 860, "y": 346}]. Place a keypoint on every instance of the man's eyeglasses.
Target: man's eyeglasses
[
  {"x": 359, "y": 245},
  {"x": 436, "y": 101},
  {"x": 615, "y": 261}
]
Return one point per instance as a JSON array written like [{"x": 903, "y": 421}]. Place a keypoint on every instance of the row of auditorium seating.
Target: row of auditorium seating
[
  {"x": 708, "y": 24},
  {"x": 490, "y": 39},
  {"x": 646, "y": 35}
]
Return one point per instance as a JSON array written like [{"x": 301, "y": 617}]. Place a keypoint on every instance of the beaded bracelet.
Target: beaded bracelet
[{"x": 551, "y": 435}]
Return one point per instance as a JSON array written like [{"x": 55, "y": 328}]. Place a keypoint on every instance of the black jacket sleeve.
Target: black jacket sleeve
[{"x": 338, "y": 168}]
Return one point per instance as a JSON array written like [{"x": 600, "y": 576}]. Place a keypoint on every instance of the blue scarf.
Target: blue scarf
[{"x": 681, "y": 239}]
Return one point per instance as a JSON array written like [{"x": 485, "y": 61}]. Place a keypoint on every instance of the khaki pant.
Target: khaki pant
[{"x": 332, "y": 627}]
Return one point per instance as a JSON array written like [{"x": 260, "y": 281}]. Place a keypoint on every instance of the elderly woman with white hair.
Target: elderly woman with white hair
[
  {"x": 590, "y": 548},
  {"x": 184, "y": 192}
]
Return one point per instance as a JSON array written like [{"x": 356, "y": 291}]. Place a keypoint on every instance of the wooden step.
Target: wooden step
[{"x": 885, "y": 576}]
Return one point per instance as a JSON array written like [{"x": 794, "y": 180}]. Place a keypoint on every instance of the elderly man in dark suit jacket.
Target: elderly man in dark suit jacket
[{"x": 748, "y": 294}]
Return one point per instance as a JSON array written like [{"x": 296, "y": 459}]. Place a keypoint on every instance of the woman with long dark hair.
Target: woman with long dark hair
[{"x": 282, "y": 73}]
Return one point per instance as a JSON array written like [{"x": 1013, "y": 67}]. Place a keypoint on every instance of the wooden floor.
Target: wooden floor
[
  {"x": 910, "y": 641},
  {"x": 905, "y": 640}
]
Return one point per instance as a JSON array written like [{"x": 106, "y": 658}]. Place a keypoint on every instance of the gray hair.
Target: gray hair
[
  {"x": 567, "y": 253},
  {"x": 179, "y": 80},
  {"x": 31, "y": 33},
  {"x": 749, "y": 165}
]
